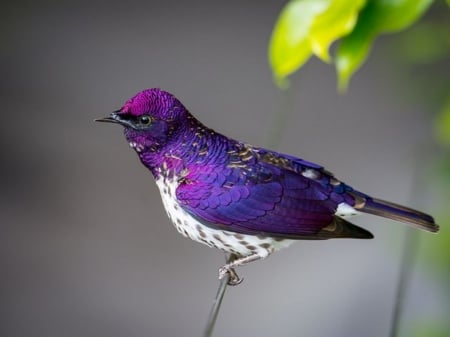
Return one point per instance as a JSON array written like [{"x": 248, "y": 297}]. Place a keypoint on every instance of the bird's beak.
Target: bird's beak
[{"x": 113, "y": 118}]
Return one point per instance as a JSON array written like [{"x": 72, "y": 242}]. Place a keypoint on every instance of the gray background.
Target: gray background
[{"x": 86, "y": 248}]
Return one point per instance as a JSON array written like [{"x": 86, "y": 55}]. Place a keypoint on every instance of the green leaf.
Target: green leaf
[
  {"x": 289, "y": 46},
  {"x": 378, "y": 17},
  {"x": 307, "y": 27},
  {"x": 442, "y": 125},
  {"x": 336, "y": 21},
  {"x": 436, "y": 248}
]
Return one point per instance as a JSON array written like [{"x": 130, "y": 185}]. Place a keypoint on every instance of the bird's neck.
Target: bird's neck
[{"x": 193, "y": 145}]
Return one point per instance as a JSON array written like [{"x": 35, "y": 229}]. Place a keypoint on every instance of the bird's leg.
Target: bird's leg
[
  {"x": 235, "y": 262},
  {"x": 234, "y": 279}
]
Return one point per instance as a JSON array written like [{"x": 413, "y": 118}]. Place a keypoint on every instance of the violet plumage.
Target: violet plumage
[{"x": 245, "y": 200}]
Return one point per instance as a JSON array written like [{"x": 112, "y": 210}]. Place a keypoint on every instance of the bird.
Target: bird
[{"x": 244, "y": 200}]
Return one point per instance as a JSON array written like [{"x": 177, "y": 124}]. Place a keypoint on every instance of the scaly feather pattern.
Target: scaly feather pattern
[{"x": 254, "y": 191}]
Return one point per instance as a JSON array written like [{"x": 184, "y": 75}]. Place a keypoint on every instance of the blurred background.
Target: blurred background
[{"x": 86, "y": 248}]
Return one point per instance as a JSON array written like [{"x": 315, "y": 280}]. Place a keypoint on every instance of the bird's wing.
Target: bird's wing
[{"x": 264, "y": 193}]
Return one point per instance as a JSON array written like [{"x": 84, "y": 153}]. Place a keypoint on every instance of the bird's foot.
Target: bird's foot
[{"x": 234, "y": 278}]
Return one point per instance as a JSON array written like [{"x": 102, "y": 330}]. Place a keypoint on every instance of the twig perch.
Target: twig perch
[{"x": 218, "y": 300}]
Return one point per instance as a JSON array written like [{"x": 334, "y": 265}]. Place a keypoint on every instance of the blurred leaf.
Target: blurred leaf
[
  {"x": 442, "y": 125},
  {"x": 424, "y": 43},
  {"x": 336, "y": 21},
  {"x": 430, "y": 329},
  {"x": 307, "y": 27},
  {"x": 289, "y": 46},
  {"x": 437, "y": 247},
  {"x": 378, "y": 17}
]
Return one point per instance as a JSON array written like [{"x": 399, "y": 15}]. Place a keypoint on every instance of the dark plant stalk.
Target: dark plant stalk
[{"x": 410, "y": 247}]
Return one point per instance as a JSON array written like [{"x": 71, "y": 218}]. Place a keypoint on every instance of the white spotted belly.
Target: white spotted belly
[{"x": 236, "y": 243}]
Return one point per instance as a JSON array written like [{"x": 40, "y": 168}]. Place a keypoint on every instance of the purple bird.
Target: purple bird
[{"x": 244, "y": 200}]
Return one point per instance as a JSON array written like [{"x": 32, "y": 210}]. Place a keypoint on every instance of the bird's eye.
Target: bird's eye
[{"x": 145, "y": 120}]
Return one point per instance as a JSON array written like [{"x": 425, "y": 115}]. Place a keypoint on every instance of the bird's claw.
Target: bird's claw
[{"x": 234, "y": 278}]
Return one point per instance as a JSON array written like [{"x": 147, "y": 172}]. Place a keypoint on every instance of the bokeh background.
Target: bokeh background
[{"x": 86, "y": 247}]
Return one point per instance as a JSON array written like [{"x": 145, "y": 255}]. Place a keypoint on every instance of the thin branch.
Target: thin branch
[{"x": 210, "y": 324}]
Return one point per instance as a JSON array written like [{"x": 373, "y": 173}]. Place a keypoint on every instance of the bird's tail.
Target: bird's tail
[{"x": 400, "y": 213}]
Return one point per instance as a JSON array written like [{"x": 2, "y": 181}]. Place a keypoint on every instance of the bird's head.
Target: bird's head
[{"x": 150, "y": 118}]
